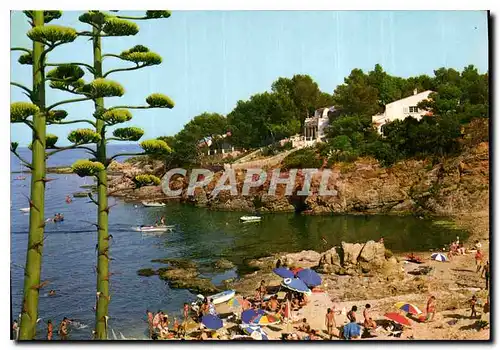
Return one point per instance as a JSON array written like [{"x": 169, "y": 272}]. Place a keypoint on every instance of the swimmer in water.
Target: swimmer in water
[
  {"x": 68, "y": 199},
  {"x": 52, "y": 292}
]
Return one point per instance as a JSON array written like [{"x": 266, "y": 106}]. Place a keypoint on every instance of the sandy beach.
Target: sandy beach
[{"x": 453, "y": 283}]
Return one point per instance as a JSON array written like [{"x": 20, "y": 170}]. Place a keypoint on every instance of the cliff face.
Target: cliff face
[{"x": 455, "y": 185}]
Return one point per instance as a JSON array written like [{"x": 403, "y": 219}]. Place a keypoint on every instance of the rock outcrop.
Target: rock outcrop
[{"x": 352, "y": 258}]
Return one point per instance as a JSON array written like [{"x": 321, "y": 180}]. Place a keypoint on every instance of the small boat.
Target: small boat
[
  {"x": 250, "y": 218},
  {"x": 20, "y": 177},
  {"x": 219, "y": 298},
  {"x": 80, "y": 194},
  {"x": 161, "y": 228},
  {"x": 25, "y": 210},
  {"x": 153, "y": 204}
]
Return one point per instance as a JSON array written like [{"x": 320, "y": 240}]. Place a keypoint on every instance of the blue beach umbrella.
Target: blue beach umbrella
[
  {"x": 438, "y": 257},
  {"x": 296, "y": 285},
  {"x": 211, "y": 322},
  {"x": 248, "y": 315},
  {"x": 309, "y": 277},
  {"x": 284, "y": 272},
  {"x": 255, "y": 332}
]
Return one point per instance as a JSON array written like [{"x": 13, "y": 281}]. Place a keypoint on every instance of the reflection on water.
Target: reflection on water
[{"x": 205, "y": 236}]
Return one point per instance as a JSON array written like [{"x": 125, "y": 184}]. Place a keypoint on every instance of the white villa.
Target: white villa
[
  {"x": 401, "y": 109},
  {"x": 314, "y": 129}
]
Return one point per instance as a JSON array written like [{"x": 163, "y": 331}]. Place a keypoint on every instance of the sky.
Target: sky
[{"x": 212, "y": 59}]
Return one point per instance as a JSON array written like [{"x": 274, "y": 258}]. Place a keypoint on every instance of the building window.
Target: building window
[{"x": 413, "y": 109}]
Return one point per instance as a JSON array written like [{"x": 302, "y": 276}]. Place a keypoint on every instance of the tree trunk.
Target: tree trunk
[
  {"x": 102, "y": 216},
  {"x": 29, "y": 313}
]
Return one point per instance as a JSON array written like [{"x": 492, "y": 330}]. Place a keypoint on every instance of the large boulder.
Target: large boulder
[
  {"x": 305, "y": 259},
  {"x": 351, "y": 252},
  {"x": 372, "y": 252},
  {"x": 330, "y": 261}
]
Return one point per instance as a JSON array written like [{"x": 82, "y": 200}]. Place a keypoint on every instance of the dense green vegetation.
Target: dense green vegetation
[{"x": 265, "y": 118}]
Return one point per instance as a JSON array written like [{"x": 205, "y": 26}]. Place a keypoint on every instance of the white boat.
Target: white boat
[
  {"x": 153, "y": 204},
  {"x": 219, "y": 298},
  {"x": 250, "y": 218},
  {"x": 25, "y": 210},
  {"x": 162, "y": 228}
]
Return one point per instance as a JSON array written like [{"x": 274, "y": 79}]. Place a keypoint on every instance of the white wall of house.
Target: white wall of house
[
  {"x": 401, "y": 109},
  {"x": 315, "y": 127}
]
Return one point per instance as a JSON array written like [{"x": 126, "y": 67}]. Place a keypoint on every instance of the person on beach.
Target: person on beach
[
  {"x": 303, "y": 326},
  {"x": 162, "y": 220},
  {"x": 473, "y": 302},
  {"x": 479, "y": 260},
  {"x": 477, "y": 245},
  {"x": 205, "y": 307},
  {"x": 330, "y": 323},
  {"x": 461, "y": 249},
  {"x": 63, "y": 329},
  {"x": 175, "y": 327},
  {"x": 15, "y": 329},
  {"x": 50, "y": 330},
  {"x": 486, "y": 273},
  {"x": 351, "y": 315},
  {"x": 164, "y": 327},
  {"x": 156, "y": 320},
  {"x": 368, "y": 322},
  {"x": 261, "y": 290},
  {"x": 273, "y": 304},
  {"x": 245, "y": 304},
  {"x": 431, "y": 308},
  {"x": 302, "y": 299},
  {"x": 150, "y": 322},
  {"x": 185, "y": 312}
]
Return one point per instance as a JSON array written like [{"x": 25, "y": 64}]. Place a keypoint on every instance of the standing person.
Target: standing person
[
  {"x": 330, "y": 322},
  {"x": 164, "y": 327},
  {"x": 486, "y": 272},
  {"x": 150, "y": 322},
  {"x": 157, "y": 320},
  {"x": 63, "y": 329},
  {"x": 15, "y": 329},
  {"x": 479, "y": 260},
  {"x": 431, "y": 308},
  {"x": 185, "y": 312},
  {"x": 368, "y": 322},
  {"x": 351, "y": 315},
  {"x": 473, "y": 303},
  {"x": 162, "y": 220},
  {"x": 50, "y": 330}
]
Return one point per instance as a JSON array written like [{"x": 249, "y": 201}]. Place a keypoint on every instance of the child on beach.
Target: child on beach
[{"x": 473, "y": 303}]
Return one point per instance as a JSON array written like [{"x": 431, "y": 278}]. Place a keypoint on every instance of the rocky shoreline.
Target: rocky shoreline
[{"x": 418, "y": 187}]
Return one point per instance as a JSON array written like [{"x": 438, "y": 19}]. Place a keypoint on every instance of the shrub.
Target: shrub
[{"x": 304, "y": 158}]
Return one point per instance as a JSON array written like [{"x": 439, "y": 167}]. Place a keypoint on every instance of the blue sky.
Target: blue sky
[{"x": 212, "y": 59}]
